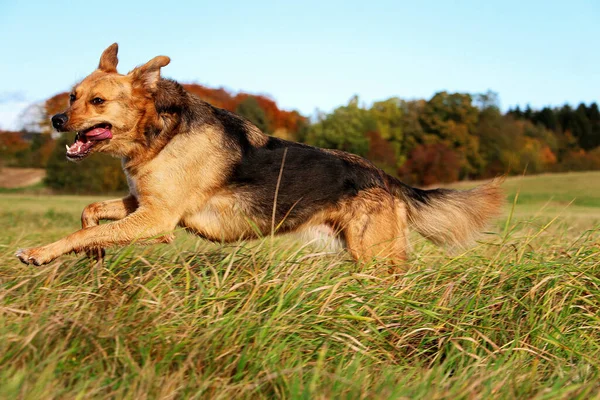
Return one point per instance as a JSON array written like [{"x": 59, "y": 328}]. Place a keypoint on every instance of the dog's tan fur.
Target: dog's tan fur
[{"x": 180, "y": 174}]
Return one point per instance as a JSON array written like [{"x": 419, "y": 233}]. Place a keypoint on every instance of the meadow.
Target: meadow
[{"x": 516, "y": 316}]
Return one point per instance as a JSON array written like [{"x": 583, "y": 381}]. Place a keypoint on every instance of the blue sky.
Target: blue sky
[{"x": 310, "y": 55}]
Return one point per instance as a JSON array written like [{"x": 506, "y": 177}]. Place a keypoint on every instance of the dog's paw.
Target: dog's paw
[
  {"x": 96, "y": 254},
  {"x": 33, "y": 256}
]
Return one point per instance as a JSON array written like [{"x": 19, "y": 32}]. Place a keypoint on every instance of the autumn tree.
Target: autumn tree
[
  {"x": 11, "y": 145},
  {"x": 388, "y": 139},
  {"x": 54, "y": 105},
  {"x": 452, "y": 118},
  {"x": 412, "y": 130},
  {"x": 429, "y": 164},
  {"x": 382, "y": 152},
  {"x": 287, "y": 123}
]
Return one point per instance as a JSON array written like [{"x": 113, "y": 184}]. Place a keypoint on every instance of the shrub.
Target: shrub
[{"x": 99, "y": 173}]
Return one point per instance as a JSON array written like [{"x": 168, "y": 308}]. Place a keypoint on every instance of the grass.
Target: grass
[{"x": 518, "y": 316}]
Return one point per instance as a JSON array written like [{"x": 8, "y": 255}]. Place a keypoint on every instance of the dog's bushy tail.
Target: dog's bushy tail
[{"x": 450, "y": 217}]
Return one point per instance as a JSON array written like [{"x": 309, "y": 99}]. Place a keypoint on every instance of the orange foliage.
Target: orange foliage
[
  {"x": 548, "y": 157},
  {"x": 12, "y": 141},
  {"x": 381, "y": 152},
  {"x": 429, "y": 164},
  {"x": 278, "y": 119},
  {"x": 579, "y": 160},
  {"x": 54, "y": 105},
  {"x": 217, "y": 97}
]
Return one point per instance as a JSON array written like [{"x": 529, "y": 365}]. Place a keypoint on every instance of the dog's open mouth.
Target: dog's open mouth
[{"x": 87, "y": 139}]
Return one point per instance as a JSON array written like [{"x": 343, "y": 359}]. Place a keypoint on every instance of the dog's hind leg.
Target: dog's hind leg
[{"x": 378, "y": 234}]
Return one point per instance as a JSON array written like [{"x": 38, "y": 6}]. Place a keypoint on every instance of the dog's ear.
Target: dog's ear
[
  {"x": 148, "y": 74},
  {"x": 108, "y": 59}
]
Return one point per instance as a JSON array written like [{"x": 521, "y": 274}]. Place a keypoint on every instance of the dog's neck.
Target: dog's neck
[{"x": 165, "y": 116}]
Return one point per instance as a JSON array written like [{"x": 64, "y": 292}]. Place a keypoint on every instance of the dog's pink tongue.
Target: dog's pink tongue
[{"x": 98, "y": 134}]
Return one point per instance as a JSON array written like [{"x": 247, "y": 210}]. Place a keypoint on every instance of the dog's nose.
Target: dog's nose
[{"x": 59, "y": 121}]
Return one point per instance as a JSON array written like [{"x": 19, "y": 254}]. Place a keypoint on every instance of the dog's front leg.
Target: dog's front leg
[
  {"x": 144, "y": 225},
  {"x": 112, "y": 210}
]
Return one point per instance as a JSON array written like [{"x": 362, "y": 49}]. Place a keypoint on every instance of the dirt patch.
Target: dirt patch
[{"x": 20, "y": 177}]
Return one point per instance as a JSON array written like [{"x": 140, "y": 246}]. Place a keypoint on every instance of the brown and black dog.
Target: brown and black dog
[{"x": 193, "y": 165}]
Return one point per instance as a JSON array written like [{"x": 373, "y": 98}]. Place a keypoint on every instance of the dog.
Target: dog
[{"x": 192, "y": 165}]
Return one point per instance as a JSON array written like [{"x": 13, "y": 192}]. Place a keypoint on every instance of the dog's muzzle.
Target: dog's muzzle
[{"x": 59, "y": 121}]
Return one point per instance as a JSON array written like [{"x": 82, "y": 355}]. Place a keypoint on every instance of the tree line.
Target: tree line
[{"x": 451, "y": 136}]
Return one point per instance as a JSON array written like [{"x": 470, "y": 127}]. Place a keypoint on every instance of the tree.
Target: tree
[
  {"x": 388, "y": 116},
  {"x": 594, "y": 117},
  {"x": 412, "y": 130},
  {"x": 516, "y": 113},
  {"x": 345, "y": 129},
  {"x": 539, "y": 132},
  {"x": 38, "y": 152},
  {"x": 99, "y": 173},
  {"x": 31, "y": 118},
  {"x": 54, "y": 105},
  {"x": 528, "y": 113},
  {"x": 429, "y": 164},
  {"x": 387, "y": 143},
  {"x": 547, "y": 117},
  {"x": 490, "y": 129},
  {"x": 250, "y": 110},
  {"x": 488, "y": 100},
  {"x": 11, "y": 145},
  {"x": 382, "y": 152},
  {"x": 452, "y": 118},
  {"x": 582, "y": 128}
]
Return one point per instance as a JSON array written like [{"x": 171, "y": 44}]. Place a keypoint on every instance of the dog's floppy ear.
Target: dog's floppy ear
[
  {"x": 148, "y": 74},
  {"x": 108, "y": 59}
]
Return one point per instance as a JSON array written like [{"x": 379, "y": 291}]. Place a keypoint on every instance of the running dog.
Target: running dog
[{"x": 192, "y": 165}]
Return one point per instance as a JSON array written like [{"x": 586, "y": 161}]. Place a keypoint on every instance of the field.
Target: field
[
  {"x": 517, "y": 316},
  {"x": 20, "y": 177}
]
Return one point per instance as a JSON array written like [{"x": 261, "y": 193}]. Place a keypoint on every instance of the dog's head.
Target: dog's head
[{"x": 110, "y": 111}]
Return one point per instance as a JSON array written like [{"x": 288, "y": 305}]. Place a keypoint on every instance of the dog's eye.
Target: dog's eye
[
  {"x": 97, "y": 101},
  {"x": 72, "y": 98}
]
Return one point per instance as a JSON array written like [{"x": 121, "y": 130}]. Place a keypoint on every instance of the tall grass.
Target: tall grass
[{"x": 518, "y": 316}]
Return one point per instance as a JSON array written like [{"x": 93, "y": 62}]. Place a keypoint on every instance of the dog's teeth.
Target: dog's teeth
[{"x": 67, "y": 146}]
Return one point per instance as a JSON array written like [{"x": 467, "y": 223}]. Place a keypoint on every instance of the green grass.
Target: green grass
[
  {"x": 518, "y": 316},
  {"x": 38, "y": 188}
]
